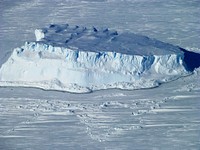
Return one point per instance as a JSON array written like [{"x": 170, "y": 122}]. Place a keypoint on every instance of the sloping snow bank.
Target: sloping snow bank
[{"x": 46, "y": 65}]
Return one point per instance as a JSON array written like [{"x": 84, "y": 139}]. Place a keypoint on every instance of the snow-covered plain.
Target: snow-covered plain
[{"x": 161, "y": 118}]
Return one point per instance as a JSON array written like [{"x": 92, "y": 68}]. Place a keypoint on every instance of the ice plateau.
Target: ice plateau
[{"x": 79, "y": 59}]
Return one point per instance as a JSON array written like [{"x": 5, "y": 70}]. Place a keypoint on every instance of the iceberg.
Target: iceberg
[{"x": 79, "y": 59}]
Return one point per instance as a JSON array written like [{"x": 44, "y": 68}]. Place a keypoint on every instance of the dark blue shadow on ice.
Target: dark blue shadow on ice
[{"x": 191, "y": 59}]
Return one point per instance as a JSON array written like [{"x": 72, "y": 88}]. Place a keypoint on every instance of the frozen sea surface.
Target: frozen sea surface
[
  {"x": 161, "y": 118},
  {"x": 175, "y": 21}
]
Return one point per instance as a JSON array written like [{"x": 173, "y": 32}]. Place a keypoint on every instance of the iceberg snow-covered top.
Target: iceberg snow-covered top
[{"x": 102, "y": 40}]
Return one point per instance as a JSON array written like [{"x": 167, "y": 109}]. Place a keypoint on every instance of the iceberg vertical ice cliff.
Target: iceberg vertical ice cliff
[{"x": 79, "y": 59}]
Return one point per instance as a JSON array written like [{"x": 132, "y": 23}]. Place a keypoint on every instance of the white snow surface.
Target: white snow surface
[
  {"x": 77, "y": 59},
  {"x": 163, "y": 118}
]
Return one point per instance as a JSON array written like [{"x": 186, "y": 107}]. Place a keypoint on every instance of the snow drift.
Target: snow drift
[{"x": 79, "y": 59}]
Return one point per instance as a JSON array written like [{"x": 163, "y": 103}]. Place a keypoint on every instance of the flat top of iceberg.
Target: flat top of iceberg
[{"x": 100, "y": 40}]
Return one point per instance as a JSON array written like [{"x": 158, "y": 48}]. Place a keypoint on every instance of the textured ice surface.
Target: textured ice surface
[
  {"x": 79, "y": 59},
  {"x": 100, "y": 40},
  {"x": 168, "y": 116}
]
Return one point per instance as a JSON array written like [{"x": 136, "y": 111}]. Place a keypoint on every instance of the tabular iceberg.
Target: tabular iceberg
[{"x": 79, "y": 59}]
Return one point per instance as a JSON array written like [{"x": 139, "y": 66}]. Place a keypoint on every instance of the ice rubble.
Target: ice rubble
[{"x": 79, "y": 59}]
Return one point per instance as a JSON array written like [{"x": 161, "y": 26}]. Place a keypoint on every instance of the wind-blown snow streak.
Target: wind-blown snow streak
[{"x": 78, "y": 59}]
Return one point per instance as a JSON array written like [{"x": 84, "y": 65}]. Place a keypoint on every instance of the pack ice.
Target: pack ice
[{"x": 79, "y": 59}]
